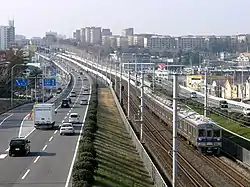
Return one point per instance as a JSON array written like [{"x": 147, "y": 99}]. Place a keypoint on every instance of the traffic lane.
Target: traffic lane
[
  {"x": 9, "y": 129},
  {"x": 54, "y": 170},
  {"x": 17, "y": 166}
]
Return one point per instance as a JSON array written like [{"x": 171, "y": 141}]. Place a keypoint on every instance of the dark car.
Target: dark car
[
  {"x": 19, "y": 146},
  {"x": 65, "y": 103}
]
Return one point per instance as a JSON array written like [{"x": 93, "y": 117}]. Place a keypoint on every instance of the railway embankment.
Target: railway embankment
[{"x": 118, "y": 161}]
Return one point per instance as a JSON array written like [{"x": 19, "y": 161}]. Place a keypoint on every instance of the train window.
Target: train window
[
  {"x": 202, "y": 133},
  {"x": 209, "y": 133},
  {"x": 194, "y": 132},
  {"x": 216, "y": 133},
  {"x": 189, "y": 129}
]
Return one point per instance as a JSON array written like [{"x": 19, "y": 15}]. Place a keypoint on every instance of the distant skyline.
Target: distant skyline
[{"x": 176, "y": 17}]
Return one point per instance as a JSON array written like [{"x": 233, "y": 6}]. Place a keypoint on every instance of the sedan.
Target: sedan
[{"x": 67, "y": 128}]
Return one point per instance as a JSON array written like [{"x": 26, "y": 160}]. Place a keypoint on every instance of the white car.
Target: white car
[
  {"x": 193, "y": 95},
  {"x": 74, "y": 118},
  {"x": 246, "y": 112},
  {"x": 67, "y": 128},
  {"x": 84, "y": 102},
  {"x": 73, "y": 94}
]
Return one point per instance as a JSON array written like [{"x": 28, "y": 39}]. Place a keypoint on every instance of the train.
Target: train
[{"x": 201, "y": 132}]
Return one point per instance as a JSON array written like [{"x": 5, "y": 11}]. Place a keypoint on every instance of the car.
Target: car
[
  {"x": 84, "y": 78},
  {"x": 74, "y": 118},
  {"x": 84, "y": 102},
  {"x": 19, "y": 146},
  {"x": 193, "y": 95},
  {"x": 85, "y": 91},
  {"x": 65, "y": 103},
  {"x": 246, "y": 112},
  {"x": 69, "y": 99},
  {"x": 67, "y": 128},
  {"x": 73, "y": 94},
  {"x": 58, "y": 91}
]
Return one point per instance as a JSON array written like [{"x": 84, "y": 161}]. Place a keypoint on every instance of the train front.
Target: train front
[{"x": 209, "y": 138}]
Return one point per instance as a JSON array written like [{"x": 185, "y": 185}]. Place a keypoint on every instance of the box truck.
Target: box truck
[{"x": 44, "y": 115}]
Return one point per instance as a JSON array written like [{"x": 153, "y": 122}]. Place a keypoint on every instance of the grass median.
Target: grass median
[{"x": 119, "y": 163}]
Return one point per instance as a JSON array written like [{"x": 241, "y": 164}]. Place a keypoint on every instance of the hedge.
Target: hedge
[{"x": 86, "y": 164}]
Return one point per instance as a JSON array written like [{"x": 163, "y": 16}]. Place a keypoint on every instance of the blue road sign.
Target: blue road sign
[
  {"x": 49, "y": 82},
  {"x": 21, "y": 82},
  {"x": 53, "y": 73}
]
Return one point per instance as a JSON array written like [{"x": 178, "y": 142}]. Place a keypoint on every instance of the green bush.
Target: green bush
[
  {"x": 88, "y": 147},
  {"x": 85, "y": 139},
  {"x": 82, "y": 164},
  {"x": 93, "y": 117},
  {"x": 81, "y": 184},
  {"x": 83, "y": 175},
  {"x": 88, "y": 134},
  {"x": 90, "y": 128},
  {"x": 86, "y": 156}
]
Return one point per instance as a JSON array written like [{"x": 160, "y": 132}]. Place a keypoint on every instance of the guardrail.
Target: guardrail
[{"x": 152, "y": 169}]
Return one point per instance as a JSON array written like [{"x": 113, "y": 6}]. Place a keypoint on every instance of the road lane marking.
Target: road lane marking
[
  {"x": 7, "y": 150},
  {"x": 30, "y": 132},
  {"x": 77, "y": 146},
  {"x": 62, "y": 121},
  {"x": 36, "y": 159},
  {"x": 5, "y": 119},
  {"x": 50, "y": 138},
  {"x": 2, "y": 156},
  {"x": 55, "y": 132},
  {"x": 26, "y": 173},
  {"x": 45, "y": 147},
  {"x": 21, "y": 126},
  {"x": 65, "y": 117}
]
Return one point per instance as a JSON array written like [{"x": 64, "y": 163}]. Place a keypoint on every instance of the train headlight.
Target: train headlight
[{"x": 218, "y": 139}]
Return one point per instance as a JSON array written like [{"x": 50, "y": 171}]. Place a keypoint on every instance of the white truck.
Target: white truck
[{"x": 44, "y": 115}]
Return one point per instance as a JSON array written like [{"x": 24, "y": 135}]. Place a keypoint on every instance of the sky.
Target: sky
[{"x": 166, "y": 17}]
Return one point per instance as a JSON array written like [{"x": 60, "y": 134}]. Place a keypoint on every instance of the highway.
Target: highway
[{"x": 50, "y": 160}]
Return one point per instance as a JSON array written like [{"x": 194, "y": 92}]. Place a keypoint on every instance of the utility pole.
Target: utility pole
[
  {"x": 128, "y": 94},
  {"x": 174, "y": 129},
  {"x": 141, "y": 106},
  {"x": 153, "y": 78},
  {"x": 205, "y": 95},
  {"x": 120, "y": 83},
  {"x": 115, "y": 76},
  {"x": 242, "y": 82}
]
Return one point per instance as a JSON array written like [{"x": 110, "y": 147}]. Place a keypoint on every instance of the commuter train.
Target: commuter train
[{"x": 201, "y": 132}]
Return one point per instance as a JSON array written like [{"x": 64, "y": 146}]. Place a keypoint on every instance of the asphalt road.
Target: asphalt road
[{"x": 47, "y": 154}]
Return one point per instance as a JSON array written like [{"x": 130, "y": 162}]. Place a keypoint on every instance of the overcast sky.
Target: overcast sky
[{"x": 169, "y": 17}]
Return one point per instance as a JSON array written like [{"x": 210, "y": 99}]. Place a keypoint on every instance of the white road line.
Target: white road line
[
  {"x": 7, "y": 150},
  {"x": 2, "y": 156},
  {"x": 65, "y": 117},
  {"x": 50, "y": 138},
  {"x": 67, "y": 113},
  {"x": 45, "y": 147},
  {"x": 62, "y": 121},
  {"x": 26, "y": 173},
  {"x": 5, "y": 119},
  {"x": 77, "y": 145},
  {"x": 21, "y": 126},
  {"x": 55, "y": 132},
  {"x": 71, "y": 108},
  {"x": 36, "y": 159}
]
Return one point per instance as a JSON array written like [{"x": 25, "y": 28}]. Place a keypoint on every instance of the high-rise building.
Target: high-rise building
[
  {"x": 106, "y": 32},
  {"x": 3, "y": 37},
  {"x": 50, "y": 37},
  {"x": 95, "y": 35},
  {"x": 128, "y": 32},
  {"x": 83, "y": 40},
  {"x": 78, "y": 35},
  {"x": 87, "y": 35},
  {"x": 11, "y": 33}
]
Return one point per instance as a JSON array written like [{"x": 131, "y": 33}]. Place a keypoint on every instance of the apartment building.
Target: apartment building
[
  {"x": 122, "y": 42},
  {"x": 3, "y": 37},
  {"x": 11, "y": 33},
  {"x": 78, "y": 35},
  {"x": 106, "y": 32},
  {"x": 159, "y": 42},
  {"x": 128, "y": 32}
]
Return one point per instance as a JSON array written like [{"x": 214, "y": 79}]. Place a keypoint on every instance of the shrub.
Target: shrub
[
  {"x": 82, "y": 164},
  {"x": 81, "y": 184},
  {"x": 83, "y": 175},
  {"x": 88, "y": 134},
  {"x": 90, "y": 128},
  {"x": 88, "y": 147},
  {"x": 85, "y": 139},
  {"x": 93, "y": 117},
  {"x": 86, "y": 156}
]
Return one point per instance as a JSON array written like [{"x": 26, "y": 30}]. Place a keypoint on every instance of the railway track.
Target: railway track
[
  {"x": 155, "y": 140},
  {"x": 188, "y": 175}
]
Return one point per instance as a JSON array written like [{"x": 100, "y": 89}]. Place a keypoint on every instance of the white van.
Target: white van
[{"x": 74, "y": 118}]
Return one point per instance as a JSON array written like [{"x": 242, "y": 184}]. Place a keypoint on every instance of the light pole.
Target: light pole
[
  {"x": 205, "y": 95},
  {"x": 120, "y": 83},
  {"x": 128, "y": 94},
  {"x": 141, "y": 106},
  {"x": 116, "y": 77},
  {"x": 174, "y": 127},
  {"x": 12, "y": 84}
]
